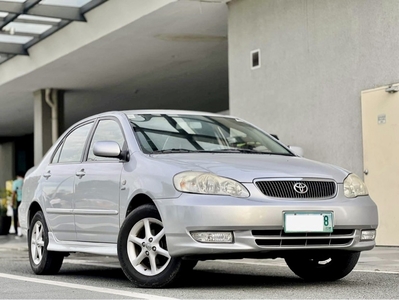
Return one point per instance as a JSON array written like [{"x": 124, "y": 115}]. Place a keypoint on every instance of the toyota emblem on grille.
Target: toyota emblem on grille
[{"x": 300, "y": 188}]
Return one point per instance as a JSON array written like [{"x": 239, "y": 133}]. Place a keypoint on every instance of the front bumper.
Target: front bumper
[{"x": 257, "y": 223}]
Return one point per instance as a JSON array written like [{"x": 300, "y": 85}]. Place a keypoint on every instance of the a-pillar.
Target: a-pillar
[{"x": 48, "y": 120}]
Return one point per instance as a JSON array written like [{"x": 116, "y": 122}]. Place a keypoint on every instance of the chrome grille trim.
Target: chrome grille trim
[{"x": 284, "y": 188}]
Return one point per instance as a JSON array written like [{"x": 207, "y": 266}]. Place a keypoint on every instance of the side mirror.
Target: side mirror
[
  {"x": 108, "y": 149},
  {"x": 297, "y": 150}
]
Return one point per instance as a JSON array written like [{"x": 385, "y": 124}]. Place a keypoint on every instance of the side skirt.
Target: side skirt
[{"x": 85, "y": 247}]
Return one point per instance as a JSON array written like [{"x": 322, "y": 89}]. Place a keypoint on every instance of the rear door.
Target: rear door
[{"x": 57, "y": 183}]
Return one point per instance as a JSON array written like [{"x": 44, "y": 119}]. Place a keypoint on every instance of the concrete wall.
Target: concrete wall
[{"x": 316, "y": 58}]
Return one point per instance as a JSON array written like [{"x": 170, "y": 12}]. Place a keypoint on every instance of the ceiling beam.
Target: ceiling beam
[
  {"x": 90, "y": 5},
  {"x": 8, "y": 19},
  {"x": 12, "y": 48},
  {"x": 16, "y": 7},
  {"x": 40, "y": 22},
  {"x": 21, "y": 33},
  {"x": 47, "y": 33},
  {"x": 31, "y": 7},
  {"x": 59, "y": 12},
  {"x": 12, "y": 7}
]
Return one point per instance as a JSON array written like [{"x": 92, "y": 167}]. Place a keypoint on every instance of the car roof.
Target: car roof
[
  {"x": 169, "y": 112},
  {"x": 155, "y": 111}
]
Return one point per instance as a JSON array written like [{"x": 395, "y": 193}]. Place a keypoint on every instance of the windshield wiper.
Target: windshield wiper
[
  {"x": 283, "y": 154},
  {"x": 243, "y": 150},
  {"x": 175, "y": 150},
  {"x": 232, "y": 150},
  {"x": 228, "y": 150}
]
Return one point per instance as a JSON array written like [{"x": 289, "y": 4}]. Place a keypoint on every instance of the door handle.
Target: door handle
[
  {"x": 80, "y": 173},
  {"x": 47, "y": 175},
  {"x": 366, "y": 172}
]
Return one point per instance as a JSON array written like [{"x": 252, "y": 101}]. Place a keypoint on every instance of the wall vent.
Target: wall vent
[{"x": 255, "y": 59}]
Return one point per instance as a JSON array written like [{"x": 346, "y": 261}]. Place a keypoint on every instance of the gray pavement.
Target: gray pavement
[
  {"x": 380, "y": 259},
  {"x": 13, "y": 242}
]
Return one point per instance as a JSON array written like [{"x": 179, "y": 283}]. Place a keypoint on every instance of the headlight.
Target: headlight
[
  {"x": 354, "y": 186},
  {"x": 208, "y": 183}
]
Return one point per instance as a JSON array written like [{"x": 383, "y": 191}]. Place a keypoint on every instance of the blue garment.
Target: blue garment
[{"x": 17, "y": 186}]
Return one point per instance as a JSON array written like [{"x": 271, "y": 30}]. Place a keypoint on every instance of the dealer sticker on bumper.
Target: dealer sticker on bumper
[{"x": 308, "y": 222}]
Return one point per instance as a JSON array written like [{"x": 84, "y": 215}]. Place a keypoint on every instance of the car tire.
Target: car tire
[
  {"x": 42, "y": 261},
  {"x": 329, "y": 267},
  {"x": 142, "y": 250}
]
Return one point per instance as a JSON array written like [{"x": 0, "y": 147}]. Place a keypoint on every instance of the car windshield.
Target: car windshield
[{"x": 177, "y": 133}]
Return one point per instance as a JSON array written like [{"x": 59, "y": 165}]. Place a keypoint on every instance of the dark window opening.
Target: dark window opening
[{"x": 255, "y": 59}]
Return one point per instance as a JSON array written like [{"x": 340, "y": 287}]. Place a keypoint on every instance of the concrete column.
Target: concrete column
[
  {"x": 48, "y": 118},
  {"x": 7, "y": 162}
]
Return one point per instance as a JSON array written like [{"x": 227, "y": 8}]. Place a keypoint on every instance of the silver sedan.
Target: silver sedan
[{"x": 164, "y": 189}]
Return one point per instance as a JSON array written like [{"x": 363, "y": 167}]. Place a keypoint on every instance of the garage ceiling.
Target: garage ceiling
[{"x": 173, "y": 57}]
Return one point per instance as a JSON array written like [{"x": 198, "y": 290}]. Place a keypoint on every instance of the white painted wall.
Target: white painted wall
[{"x": 316, "y": 58}]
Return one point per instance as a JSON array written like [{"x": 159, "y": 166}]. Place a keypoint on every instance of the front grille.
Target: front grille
[
  {"x": 285, "y": 188},
  {"x": 278, "y": 238}
]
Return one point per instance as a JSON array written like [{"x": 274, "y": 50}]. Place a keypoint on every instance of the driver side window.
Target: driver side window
[{"x": 107, "y": 130}]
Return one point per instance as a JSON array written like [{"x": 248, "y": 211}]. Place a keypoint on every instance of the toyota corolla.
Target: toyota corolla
[{"x": 163, "y": 189}]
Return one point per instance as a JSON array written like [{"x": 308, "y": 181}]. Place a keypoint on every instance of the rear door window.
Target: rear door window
[{"x": 72, "y": 149}]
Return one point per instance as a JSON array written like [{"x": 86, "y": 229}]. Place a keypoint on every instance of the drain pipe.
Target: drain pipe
[{"x": 53, "y": 103}]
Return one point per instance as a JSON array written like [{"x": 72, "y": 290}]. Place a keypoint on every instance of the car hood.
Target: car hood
[{"x": 247, "y": 167}]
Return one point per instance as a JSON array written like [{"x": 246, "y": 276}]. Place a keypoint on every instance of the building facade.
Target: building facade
[{"x": 315, "y": 58}]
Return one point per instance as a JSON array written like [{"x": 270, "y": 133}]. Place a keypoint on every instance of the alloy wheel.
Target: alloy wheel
[
  {"x": 146, "y": 247},
  {"x": 37, "y": 242}
]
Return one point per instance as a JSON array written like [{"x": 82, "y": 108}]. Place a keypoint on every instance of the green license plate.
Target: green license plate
[{"x": 308, "y": 222}]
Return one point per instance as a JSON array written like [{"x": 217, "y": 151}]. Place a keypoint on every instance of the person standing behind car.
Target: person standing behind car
[{"x": 16, "y": 200}]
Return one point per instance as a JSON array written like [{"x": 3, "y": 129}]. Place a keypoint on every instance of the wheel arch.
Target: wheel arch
[
  {"x": 33, "y": 209},
  {"x": 139, "y": 200}
]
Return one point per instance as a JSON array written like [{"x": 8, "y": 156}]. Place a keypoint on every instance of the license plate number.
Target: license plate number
[{"x": 308, "y": 222}]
